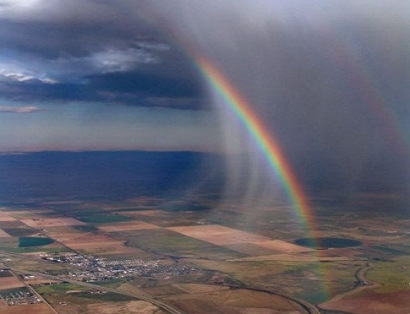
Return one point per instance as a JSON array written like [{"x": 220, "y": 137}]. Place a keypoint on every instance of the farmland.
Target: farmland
[{"x": 177, "y": 255}]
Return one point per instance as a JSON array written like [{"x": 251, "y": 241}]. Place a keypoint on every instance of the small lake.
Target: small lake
[{"x": 327, "y": 243}]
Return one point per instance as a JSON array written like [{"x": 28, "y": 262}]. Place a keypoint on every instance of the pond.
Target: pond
[{"x": 327, "y": 243}]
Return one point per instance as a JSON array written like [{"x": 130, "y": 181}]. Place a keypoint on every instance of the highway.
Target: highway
[{"x": 308, "y": 307}]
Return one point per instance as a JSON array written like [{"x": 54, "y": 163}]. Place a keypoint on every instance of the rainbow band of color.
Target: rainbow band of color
[{"x": 266, "y": 142}]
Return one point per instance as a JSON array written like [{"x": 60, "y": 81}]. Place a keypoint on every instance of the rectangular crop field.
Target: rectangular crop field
[
  {"x": 10, "y": 283},
  {"x": 6, "y": 217},
  {"x": 166, "y": 241},
  {"x": 51, "y": 222},
  {"x": 97, "y": 244},
  {"x": 219, "y": 235},
  {"x": 283, "y": 246},
  {"x": 39, "y": 308},
  {"x": 126, "y": 226},
  {"x": 3, "y": 234},
  {"x": 104, "y": 219},
  {"x": 234, "y": 239}
]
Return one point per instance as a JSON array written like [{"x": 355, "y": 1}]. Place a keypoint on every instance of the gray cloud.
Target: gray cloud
[
  {"x": 330, "y": 79},
  {"x": 68, "y": 50}
]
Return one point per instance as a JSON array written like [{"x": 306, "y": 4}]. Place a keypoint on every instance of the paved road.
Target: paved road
[{"x": 308, "y": 307}]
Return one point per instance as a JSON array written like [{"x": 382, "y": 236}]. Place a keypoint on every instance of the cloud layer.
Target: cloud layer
[{"x": 88, "y": 51}]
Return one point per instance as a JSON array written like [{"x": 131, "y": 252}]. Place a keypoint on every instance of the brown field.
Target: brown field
[
  {"x": 98, "y": 244},
  {"x": 52, "y": 222},
  {"x": 346, "y": 252},
  {"x": 133, "y": 307},
  {"x": 255, "y": 310},
  {"x": 246, "y": 298},
  {"x": 240, "y": 241},
  {"x": 10, "y": 283},
  {"x": 291, "y": 258},
  {"x": 40, "y": 308},
  {"x": 371, "y": 303},
  {"x": 127, "y": 287},
  {"x": 218, "y": 235},
  {"x": 196, "y": 306},
  {"x": 65, "y": 236},
  {"x": 126, "y": 226},
  {"x": 64, "y": 233},
  {"x": 234, "y": 302},
  {"x": 4, "y": 234},
  {"x": 11, "y": 224},
  {"x": 283, "y": 246},
  {"x": 6, "y": 217},
  {"x": 250, "y": 249},
  {"x": 162, "y": 291},
  {"x": 193, "y": 288},
  {"x": 32, "y": 212},
  {"x": 148, "y": 213},
  {"x": 151, "y": 213},
  {"x": 377, "y": 238}
]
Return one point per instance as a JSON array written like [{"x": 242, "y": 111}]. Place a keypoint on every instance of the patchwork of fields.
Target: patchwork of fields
[{"x": 199, "y": 257}]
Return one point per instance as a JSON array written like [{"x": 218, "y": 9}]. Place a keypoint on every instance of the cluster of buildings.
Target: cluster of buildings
[
  {"x": 91, "y": 269},
  {"x": 19, "y": 297}
]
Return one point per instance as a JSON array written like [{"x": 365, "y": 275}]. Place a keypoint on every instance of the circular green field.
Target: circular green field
[
  {"x": 34, "y": 241},
  {"x": 327, "y": 243}
]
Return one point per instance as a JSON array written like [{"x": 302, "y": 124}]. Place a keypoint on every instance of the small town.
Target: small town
[{"x": 91, "y": 269}]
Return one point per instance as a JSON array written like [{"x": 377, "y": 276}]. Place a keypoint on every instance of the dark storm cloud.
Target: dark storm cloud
[
  {"x": 130, "y": 88},
  {"x": 89, "y": 51},
  {"x": 329, "y": 78}
]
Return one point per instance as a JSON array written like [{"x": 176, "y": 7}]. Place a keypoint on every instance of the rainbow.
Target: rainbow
[
  {"x": 271, "y": 150},
  {"x": 360, "y": 80},
  {"x": 265, "y": 141},
  {"x": 259, "y": 133}
]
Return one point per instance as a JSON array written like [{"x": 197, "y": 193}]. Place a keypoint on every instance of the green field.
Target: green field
[
  {"x": 19, "y": 232},
  {"x": 107, "y": 297},
  {"x": 162, "y": 241},
  {"x": 33, "y": 241},
  {"x": 61, "y": 288},
  {"x": 86, "y": 228},
  {"x": 104, "y": 219},
  {"x": 5, "y": 273},
  {"x": 81, "y": 212},
  {"x": 393, "y": 275}
]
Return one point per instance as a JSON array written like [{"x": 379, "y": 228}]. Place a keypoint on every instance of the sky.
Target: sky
[{"x": 329, "y": 79}]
